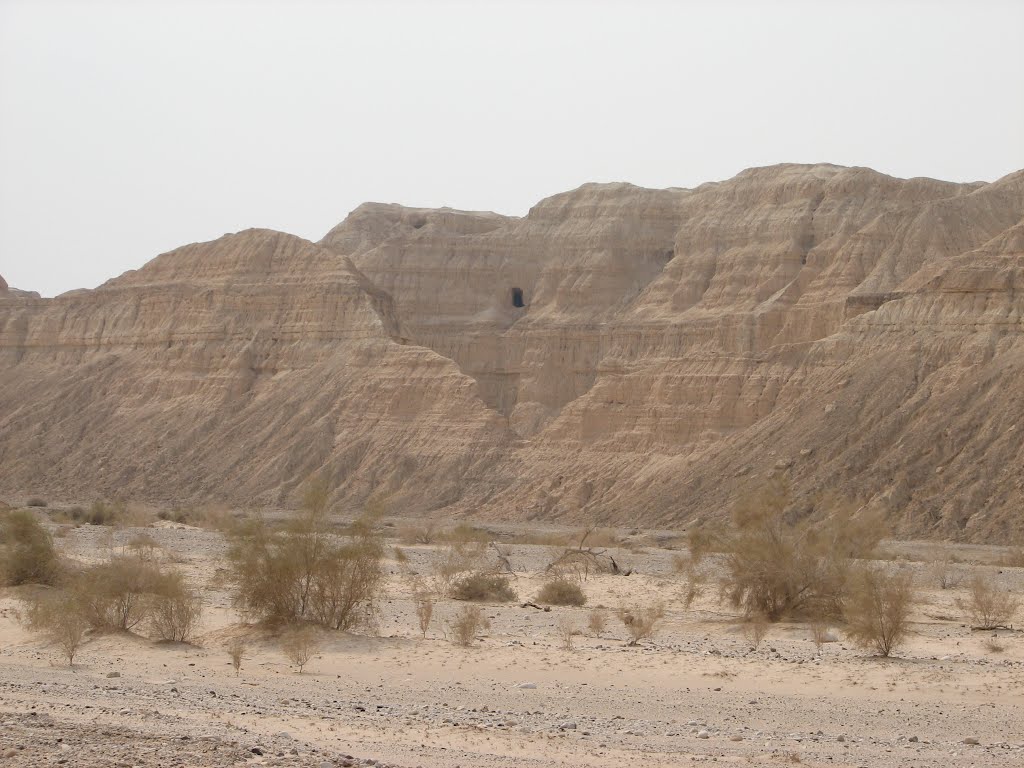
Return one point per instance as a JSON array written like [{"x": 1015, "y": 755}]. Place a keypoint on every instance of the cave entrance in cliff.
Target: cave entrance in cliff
[{"x": 517, "y": 298}]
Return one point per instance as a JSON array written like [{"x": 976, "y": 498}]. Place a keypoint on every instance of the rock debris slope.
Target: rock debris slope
[{"x": 618, "y": 354}]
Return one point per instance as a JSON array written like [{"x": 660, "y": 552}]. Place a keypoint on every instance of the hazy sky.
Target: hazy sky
[{"x": 129, "y": 128}]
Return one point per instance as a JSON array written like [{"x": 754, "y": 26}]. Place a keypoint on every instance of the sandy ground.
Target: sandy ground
[{"x": 697, "y": 693}]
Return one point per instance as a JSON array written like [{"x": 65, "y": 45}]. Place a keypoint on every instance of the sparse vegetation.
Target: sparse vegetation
[
  {"x": 36, "y": 501},
  {"x": 776, "y": 568},
  {"x": 877, "y": 609},
  {"x": 484, "y": 587},
  {"x": 237, "y": 651},
  {"x": 597, "y": 621},
  {"x": 117, "y": 594},
  {"x": 27, "y": 554},
  {"x": 566, "y": 629},
  {"x": 304, "y": 573},
  {"x": 176, "y": 609},
  {"x": 561, "y": 591},
  {"x": 641, "y": 622},
  {"x": 424, "y": 612},
  {"x": 819, "y": 633},
  {"x": 987, "y": 605},
  {"x": 55, "y": 614},
  {"x": 755, "y": 629},
  {"x": 466, "y": 624},
  {"x": 300, "y": 644}
]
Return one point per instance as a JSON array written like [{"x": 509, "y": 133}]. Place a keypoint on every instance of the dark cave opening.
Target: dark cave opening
[{"x": 517, "y": 298}]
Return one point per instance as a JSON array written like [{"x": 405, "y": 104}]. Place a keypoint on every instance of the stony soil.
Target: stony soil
[{"x": 697, "y": 693}]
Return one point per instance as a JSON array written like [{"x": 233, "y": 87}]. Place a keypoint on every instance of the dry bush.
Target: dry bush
[
  {"x": 597, "y": 620},
  {"x": 566, "y": 629},
  {"x": 417, "y": 534},
  {"x": 465, "y": 625},
  {"x": 483, "y": 587},
  {"x": 778, "y": 568},
  {"x": 987, "y": 605},
  {"x": 300, "y": 644},
  {"x": 992, "y": 645},
  {"x": 55, "y": 614},
  {"x": 349, "y": 585},
  {"x": 144, "y": 546},
  {"x": 399, "y": 555},
  {"x": 237, "y": 651},
  {"x": 305, "y": 573},
  {"x": 755, "y": 629},
  {"x": 424, "y": 612},
  {"x": 877, "y": 609},
  {"x": 641, "y": 622},
  {"x": 819, "y": 634},
  {"x": 695, "y": 576},
  {"x": 456, "y": 561},
  {"x": 105, "y": 513},
  {"x": 27, "y": 554},
  {"x": 561, "y": 591},
  {"x": 943, "y": 571},
  {"x": 175, "y": 610},
  {"x": 117, "y": 594},
  {"x": 35, "y": 501}
]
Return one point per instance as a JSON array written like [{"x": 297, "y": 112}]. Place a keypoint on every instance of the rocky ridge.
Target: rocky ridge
[{"x": 618, "y": 354}]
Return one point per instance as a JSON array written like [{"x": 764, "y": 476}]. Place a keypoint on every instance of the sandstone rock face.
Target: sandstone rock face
[{"x": 618, "y": 354}]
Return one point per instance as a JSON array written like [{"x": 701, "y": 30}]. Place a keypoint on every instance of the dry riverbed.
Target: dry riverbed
[{"x": 697, "y": 693}]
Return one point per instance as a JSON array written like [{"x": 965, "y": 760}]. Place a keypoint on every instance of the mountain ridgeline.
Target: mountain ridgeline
[{"x": 619, "y": 354}]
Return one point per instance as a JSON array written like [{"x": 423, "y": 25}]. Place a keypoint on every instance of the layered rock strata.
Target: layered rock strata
[{"x": 618, "y": 354}]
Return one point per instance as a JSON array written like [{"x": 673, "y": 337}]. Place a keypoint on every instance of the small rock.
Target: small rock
[
  {"x": 113, "y": 674},
  {"x": 913, "y": 739},
  {"x": 971, "y": 740},
  {"x": 703, "y": 735},
  {"x": 568, "y": 725},
  {"x": 527, "y": 686},
  {"x": 841, "y": 739}
]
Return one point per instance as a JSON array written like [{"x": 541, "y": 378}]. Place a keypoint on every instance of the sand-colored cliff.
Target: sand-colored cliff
[{"x": 619, "y": 353}]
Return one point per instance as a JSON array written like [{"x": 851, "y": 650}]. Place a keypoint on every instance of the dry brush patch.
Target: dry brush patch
[
  {"x": 300, "y": 644},
  {"x": 778, "y": 567},
  {"x": 561, "y": 591},
  {"x": 303, "y": 572},
  {"x": 27, "y": 554},
  {"x": 987, "y": 604},
  {"x": 641, "y": 622},
  {"x": 465, "y": 625},
  {"x": 877, "y": 610}
]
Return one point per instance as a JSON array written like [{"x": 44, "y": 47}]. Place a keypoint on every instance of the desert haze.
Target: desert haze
[{"x": 648, "y": 476}]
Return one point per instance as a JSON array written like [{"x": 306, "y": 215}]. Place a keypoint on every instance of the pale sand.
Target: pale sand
[{"x": 407, "y": 702}]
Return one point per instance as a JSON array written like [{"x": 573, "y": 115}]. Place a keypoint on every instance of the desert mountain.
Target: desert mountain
[{"x": 618, "y": 354}]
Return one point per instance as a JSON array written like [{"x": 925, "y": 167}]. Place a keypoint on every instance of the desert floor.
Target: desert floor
[{"x": 697, "y": 693}]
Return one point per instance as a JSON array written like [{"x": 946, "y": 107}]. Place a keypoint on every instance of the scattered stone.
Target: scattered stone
[
  {"x": 971, "y": 740},
  {"x": 113, "y": 674},
  {"x": 703, "y": 735}
]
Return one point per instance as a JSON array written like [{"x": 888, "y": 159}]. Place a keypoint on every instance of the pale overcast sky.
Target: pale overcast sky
[{"x": 129, "y": 128}]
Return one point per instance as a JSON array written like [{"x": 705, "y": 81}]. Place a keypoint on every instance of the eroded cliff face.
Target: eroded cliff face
[{"x": 618, "y": 354}]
